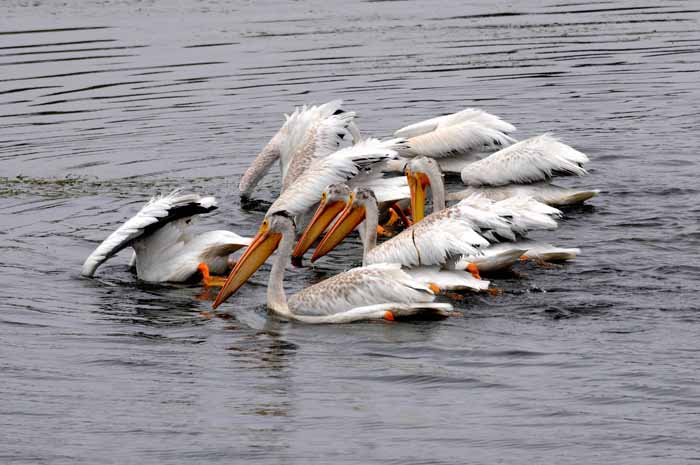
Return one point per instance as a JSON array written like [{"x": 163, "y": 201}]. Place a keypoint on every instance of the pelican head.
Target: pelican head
[
  {"x": 333, "y": 200},
  {"x": 265, "y": 242},
  {"x": 359, "y": 202},
  {"x": 422, "y": 172}
]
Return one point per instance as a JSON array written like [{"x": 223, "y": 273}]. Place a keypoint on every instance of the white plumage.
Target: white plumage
[
  {"x": 376, "y": 292},
  {"x": 340, "y": 166},
  {"x": 387, "y": 190},
  {"x": 359, "y": 287},
  {"x": 299, "y": 128},
  {"x": 531, "y": 160},
  {"x": 164, "y": 246},
  {"x": 429, "y": 243},
  {"x": 432, "y": 241},
  {"x": 465, "y": 233},
  {"x": 499, "y": 257},
  {"x": 312, "y": 135},
  {"x": 471, "y": 115},
  {"x": 541, "y": 191},
  {"x": 457, "y": 135},
  {"x": 523, "y": 214},
  {"x": 465, "y": 138},
  {"x": 447, "y": 280}
]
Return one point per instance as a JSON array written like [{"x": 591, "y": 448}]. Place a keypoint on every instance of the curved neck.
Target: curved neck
[
  {"x": 369, "y": 239},
  {"x": 437, "y": 188},
  {"x": 255, "y": 172},
  {"x": 276, "y": 298}
]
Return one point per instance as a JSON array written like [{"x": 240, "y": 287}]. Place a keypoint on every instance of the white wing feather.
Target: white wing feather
[
  {"x": 548, "y": 252},
  {"x": 469, "y": 114},
  {"x": 542, "y": 191},
  {"x": 432, "y": 241},
  {"x": 463, "y": 138},
  {"x": 273, "y": 149},
  {"x": 500, "y": 257},
  {"x": 155, "y": 214},
  {"x": 386, "y": 190},
  {"x": 531, "y": 160},
  {"x": 448, "y": 280},
  {"x": 360, "y": 287},
  {"x": 338, "y": 167},
  {"x": 523, "y": 214},
  {"x": 312, "y": 134},
  {"x": 495, "y": 258}
]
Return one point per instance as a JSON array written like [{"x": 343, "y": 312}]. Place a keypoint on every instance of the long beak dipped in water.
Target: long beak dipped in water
[
  {"x": 263, "y": 245},
  {"x": 352, "y": 216},
  {"x": 417, "y": 183},
  {"x": 325, "y": 213}
]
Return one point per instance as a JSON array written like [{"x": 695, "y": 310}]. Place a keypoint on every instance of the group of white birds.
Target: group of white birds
[{"x": 334, "y": 180}]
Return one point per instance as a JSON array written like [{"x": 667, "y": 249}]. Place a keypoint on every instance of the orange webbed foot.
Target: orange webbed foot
[
  {"x": 207, "y": 279},
  {"x": 435, "y": 288},
  {"x": 389, "y": 315},
  {"x": 474, "y": 270}
]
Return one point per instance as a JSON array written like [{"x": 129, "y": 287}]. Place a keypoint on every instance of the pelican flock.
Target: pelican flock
[{"x": 334, "y": 181}]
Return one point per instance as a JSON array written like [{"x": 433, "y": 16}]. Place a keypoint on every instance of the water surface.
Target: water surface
[{"x": 103, "y": 104}]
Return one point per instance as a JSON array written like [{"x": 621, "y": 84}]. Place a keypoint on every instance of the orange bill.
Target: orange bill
[
  {"x": 417, "y": 183},
  {"x": 352, "y": 216},
  {"x": 263, "y": 245},
  {"x": 325, "y": 214}
]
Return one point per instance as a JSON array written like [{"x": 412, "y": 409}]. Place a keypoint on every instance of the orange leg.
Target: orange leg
[
  {"x": 389, "y": 316},
  {"x": 474, "y": 270},
  {"x": 434, "y": 287},
  {"x": 207, "y": 279}
]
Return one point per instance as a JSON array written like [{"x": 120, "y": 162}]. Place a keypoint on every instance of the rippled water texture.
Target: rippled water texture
[{"x": 104, "y": 103}]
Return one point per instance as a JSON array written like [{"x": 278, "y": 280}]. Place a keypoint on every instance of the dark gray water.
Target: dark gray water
[{"x": 103, "y": 104}]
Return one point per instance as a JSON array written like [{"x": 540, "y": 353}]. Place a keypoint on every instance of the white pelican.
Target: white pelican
[
  {"x": 165, "y": 249},
  {"x": 466, "y": 132},
  {"x": 333, "y": 201},
  {"x": 523, "y": 169},
  {"x": 310, "y": 131},
  {"x": 438, "y": 241},
  {"x": 454, "y": 140},
  {"x": 362, "y": 209},
  {"x": 524, "y": 214},
  {"x": 376, "y": 292},
  {"x": 345, "y": 164},
  {"x": 531, "y": 160},
  {"x": 442, "y": 238}
]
